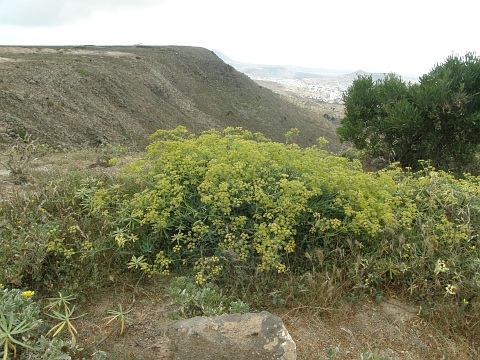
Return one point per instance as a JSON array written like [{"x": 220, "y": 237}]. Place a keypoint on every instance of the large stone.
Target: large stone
[{"x": 234, "y": 337}]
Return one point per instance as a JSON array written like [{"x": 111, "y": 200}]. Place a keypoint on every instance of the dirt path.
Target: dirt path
[{"x": 389, "y": 330}]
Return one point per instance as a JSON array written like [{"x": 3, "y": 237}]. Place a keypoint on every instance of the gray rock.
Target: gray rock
[{"x": 234, "y": 337}]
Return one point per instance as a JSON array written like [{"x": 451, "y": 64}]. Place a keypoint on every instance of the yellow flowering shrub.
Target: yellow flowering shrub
[
  {"x": 227, "y": 201},
  {"x": 438, "y": 221},
  {"x": 231, "y": 197},
  {"x": 236, "y": 196}
]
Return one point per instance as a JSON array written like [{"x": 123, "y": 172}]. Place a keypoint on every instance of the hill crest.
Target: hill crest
[{"x": 77, "y": 96}]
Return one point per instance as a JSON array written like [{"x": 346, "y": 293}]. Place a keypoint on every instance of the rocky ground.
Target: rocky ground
[{"x": 366, "y": 330}]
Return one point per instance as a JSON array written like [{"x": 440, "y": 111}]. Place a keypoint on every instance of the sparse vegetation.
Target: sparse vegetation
[
  {"x": 19, "y": 158},
  {"x": 77, "y": 97},
  {"x": 120, "y": 316},
  {"x": 21, "y": 329}
]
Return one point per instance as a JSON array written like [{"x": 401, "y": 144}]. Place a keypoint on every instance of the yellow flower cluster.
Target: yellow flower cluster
[
  {"x": 28, "y": 293},
  {"x": 207, "y": 268}
]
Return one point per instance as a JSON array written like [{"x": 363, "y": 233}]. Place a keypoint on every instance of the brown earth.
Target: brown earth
[
  {"x": 367, "y": 330},
  {"x": 83, "y": 96}
]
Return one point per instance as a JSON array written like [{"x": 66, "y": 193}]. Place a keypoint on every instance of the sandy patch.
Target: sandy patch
[
  {"x": 66, "y": 51},
  {"x": 2, "y": 59}
]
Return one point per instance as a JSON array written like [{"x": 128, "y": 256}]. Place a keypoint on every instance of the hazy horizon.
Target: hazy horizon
[{"x": 373, "y": 36}]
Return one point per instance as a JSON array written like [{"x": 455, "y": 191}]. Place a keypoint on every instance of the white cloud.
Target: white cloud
[
  {"x": 372, "y": 35},
  {"x": 32, "y": 13}
]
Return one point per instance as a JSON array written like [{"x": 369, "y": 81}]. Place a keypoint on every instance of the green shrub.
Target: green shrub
[
  {"x": 433, "y": 119},
  {"x": 205, "y": 201},
  {"x": 232, "y": 202},
  {"x": 194, "y": 300},
  {"x": 46, "y": 240},
  {"x": 435, "y": 250},
  {"x": 235, "y": 199},
  {"x": 21, "y": 328},
  {"x": 233, "y": 205}
]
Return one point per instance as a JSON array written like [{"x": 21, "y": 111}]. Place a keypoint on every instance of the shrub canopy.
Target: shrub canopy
[
  {"x": 436, "y": 119},
  {"x": 232, "y": 205},
  {"x": 225, "y": 201}
]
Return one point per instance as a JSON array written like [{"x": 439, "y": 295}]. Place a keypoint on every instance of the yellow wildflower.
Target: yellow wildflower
[
  {"x": 449, "y": 290},
  {"x": 28, "y": 293}
]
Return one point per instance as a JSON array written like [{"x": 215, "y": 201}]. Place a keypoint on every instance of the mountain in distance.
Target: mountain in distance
[
  {"x": 278, "y": 71},
  {"x": 379, "y": 76},
  {"x": 298, "y": 72},
  {"x": 358, "y": 73},
  {"x": 313, "y": 84}
]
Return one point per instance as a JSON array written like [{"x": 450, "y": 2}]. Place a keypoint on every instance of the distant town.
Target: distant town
[
  {"x": 319, "y": 85},
  {"x": 327, "y": 90}
]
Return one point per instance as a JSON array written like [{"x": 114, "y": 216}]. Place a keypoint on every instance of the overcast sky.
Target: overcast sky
[{"x": 406, "y": 37}]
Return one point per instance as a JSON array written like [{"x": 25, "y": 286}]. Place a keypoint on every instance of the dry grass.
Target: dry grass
[{"x": 366, "y": 330}]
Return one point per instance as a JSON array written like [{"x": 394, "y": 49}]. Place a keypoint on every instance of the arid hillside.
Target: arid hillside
[{"x": 83, "y": 96}]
